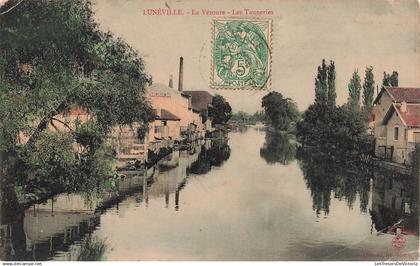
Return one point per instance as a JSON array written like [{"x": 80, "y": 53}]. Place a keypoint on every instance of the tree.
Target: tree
[
  {"x": 354, "y": 88},
  {"x": 243, "y": 118},
  {"x": 390, "y": 80},
  {"x": 53, "y": 56},
  {"x": 259, "y": 116},
  {"x": 280, "y": 111},
  {"x": 332, "y": 94},
  {"x": 325, "y": 92},
  {"x": 368, "y": 90},
  {"x": 333, "y": 130},
  {"x": 321, "y": 85},
  {"x": 220, "y": 111},
  {"x": 336, "y": 130}
]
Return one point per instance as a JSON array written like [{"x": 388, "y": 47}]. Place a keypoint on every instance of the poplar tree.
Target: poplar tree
[
  {"x": 321, "y": 84},
  {"x": 368, "y": 89},
  {"x": 354, "y": 88},
  {"x": 332, "y": 95},
  {"x": 390, "y": 80}
]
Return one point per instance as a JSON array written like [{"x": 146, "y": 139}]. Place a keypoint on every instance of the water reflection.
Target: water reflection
[
  {"x": 210, "y": 155},
  {"x": 91, "y": 249},
  {"x": 395, "y": 202},
  {"x": 39, "y": 235},
  {"x": 328, "y": 178},
  {"x": 278, "y": 148},
  {"x": 183, "y": 210},
  {"x": 62, "y": 228}
]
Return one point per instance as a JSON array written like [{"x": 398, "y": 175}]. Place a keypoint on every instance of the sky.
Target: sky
[{"x": 355, "y": 34}]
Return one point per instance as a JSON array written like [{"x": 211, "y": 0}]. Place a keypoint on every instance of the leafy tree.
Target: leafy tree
[
  {"x": 220, "y": 111},
  {"x": 281, "y": 112},
  {"x": 321, "y": 85},
  {"x": 390, "y": 80},
  {"x": 259, "y": 116},
  {"x": 325, "y": 92},
  {"x": 335, "y": 130},
  {"x": 368, "y": 90},
  {"x": 247, "y": 119},
  {"x": 332, "y": 94},
  {"x": 354, "y": 91},
  {"x": 53, "y": 56},
  {"x": 242, "y": 118}
]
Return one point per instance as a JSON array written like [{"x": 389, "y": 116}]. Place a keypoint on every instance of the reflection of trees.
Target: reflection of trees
[
  {"x": 92, "y": 249},
  {"x": 24, "y": 239},
  {"x": 215, "y": 155},
  {"x": 324, "y": 176},
  {"x": 278, "y": 148}
]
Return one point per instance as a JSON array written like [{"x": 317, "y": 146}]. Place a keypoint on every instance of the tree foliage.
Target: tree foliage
[
  {"x": 280, "y": 112},
  {"x": 53, "y": 57},
  {"x": 332, "y": 129},
  {"x": 244, "y": 118},
  {"x": 368, "y": 89},
  {"x": 354, "y": 88},
  {"x": 220, "y": 111},
  {"x": 332, "y": 94},
  {"x": 390, "y": 80},
  {"x": 325, "y": 92}
]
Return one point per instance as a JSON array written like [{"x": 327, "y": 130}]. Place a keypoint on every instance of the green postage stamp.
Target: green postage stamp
[{"x": 241, "y": 54}]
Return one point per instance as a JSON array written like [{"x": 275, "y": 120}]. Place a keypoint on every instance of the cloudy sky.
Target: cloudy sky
[{"x": 355, "y": 34}]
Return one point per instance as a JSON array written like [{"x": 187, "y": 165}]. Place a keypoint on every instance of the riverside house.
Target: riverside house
[
  {"x": 397, "y": 123},
  {"x": 201, "y": 101},
  {"x": 179, "y": 104}
]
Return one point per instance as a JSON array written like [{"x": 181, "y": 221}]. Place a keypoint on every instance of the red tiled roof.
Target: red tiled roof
[
  {"x": 409, "y": 95},
  {"x": 200, "y": 99},
  {"x": 411, "y": 116},
  {"x": 166, "y": 115}
]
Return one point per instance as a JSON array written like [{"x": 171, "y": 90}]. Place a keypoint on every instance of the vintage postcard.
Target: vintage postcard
[{"x": 181, "y": 130}]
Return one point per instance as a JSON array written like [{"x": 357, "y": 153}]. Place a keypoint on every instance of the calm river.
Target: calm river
[{"x": 247, "y": 199}]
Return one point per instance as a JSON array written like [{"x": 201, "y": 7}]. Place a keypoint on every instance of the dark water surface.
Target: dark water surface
[{"x": 249, "y": 199}]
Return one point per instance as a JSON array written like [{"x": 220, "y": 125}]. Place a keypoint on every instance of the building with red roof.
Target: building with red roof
[{"x": 397, "y": 123}]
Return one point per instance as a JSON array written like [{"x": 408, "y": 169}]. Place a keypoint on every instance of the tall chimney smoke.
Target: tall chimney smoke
[
  {"x": 171, "y": 81},
  {"x": 181, "y": 73}
]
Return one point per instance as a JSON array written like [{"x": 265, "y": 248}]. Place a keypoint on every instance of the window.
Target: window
[
  {"x": 158, "y": 129},
  {"x": 416, "y": 136},
  {"x": 396, "y": 133},
  {"x": 405, "y": 134}
]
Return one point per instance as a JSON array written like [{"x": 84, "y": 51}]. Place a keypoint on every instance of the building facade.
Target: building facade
[{"x": 397, "y": 123}]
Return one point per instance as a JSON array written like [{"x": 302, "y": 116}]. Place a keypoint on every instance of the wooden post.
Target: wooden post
[{"x": 177, "y": 200}]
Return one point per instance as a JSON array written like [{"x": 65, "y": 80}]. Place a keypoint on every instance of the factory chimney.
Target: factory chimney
[
  {"x": 181, "y": 73},
  {"x": 171, "y": 81}
]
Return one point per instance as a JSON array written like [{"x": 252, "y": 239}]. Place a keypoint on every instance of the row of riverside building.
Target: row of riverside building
[
  {"x": 181, "y": 116},
  {"x": 395, "y": 123}
]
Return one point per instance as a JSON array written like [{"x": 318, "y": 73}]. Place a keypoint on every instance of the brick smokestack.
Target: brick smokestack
[
  {"x": 171, "y": 82},
  {"x": 181, "y": 73}
]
